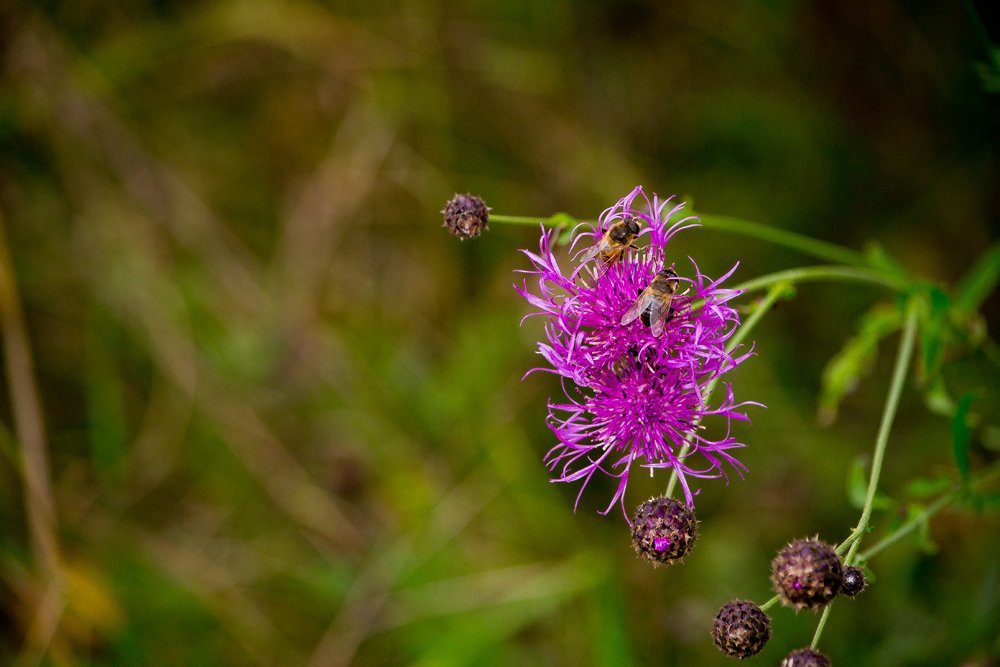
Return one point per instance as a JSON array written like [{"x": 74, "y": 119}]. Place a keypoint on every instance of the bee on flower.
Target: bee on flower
[{"x": 639, "y": 342}]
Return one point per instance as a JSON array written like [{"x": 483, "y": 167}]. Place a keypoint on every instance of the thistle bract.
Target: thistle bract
[
  {"x": 807, "y": 574},
  {"x": 741, "y": 629},
  {"x": 806, "y": 658},
  {"x": 854, "y": 581},
  {"x": 632, "y": 397},
  {"x": 664, "y": 530}
]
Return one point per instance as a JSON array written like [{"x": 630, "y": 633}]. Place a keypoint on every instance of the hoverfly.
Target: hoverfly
[
  {"x": 654, "y": 303},
  {"x": 615, "y": 241}
]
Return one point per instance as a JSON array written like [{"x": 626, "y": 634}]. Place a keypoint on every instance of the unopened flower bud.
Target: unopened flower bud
[
  {"x": 741, "y": 629},
  {"x": 466, "y": 216},
  {"x": 664, "y": 530},
  {"x": 806, "y": 657},
  {"x": 854, "y": 581},
  {"x": 807, "y": 574}
]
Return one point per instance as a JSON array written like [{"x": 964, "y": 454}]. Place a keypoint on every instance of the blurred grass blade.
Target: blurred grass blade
[
  {"x": 610, "y": 636},
  {"x": 960, "y": 433},
  {"x": 979, "y": 281}
]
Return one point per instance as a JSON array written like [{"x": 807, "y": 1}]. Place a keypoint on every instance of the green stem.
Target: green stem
[
  {"x": 820, "y": 626},
  {"x": 888, "y": 415},
  {"x": 519, "y": 219},
  {"x": 907, "y": 528},
  {"x": 925, "y": 514},
  {"x": 804, "y": 244},
  {"x": 770, "y": 603},
  {"x": 765, "y": 305},
  {"x": 810, "y": 246},
  {"x": 811, "y": 273}
]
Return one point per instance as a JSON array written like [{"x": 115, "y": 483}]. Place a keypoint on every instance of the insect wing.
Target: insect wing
[
  {"x": 658, "y": 316},
  {"x": 591, "y": 252},
  {"x": 638, "y": 307}
]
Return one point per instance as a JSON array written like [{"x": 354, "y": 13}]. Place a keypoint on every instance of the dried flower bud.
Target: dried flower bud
[
  {"x": 741, "y": 629},
  {"x": 854, "y": 581},
  {"x": 664, "y": 530},
  {"x": 807, "y": 574},
  {"x": 806, "y": 657},
  {"x": 466, "y": 216}
]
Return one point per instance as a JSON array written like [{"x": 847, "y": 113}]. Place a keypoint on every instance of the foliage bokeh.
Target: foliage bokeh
[{"x": 284, "y": 409}]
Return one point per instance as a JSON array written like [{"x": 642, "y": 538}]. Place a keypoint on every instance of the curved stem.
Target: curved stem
[
  {"x": 908, "y": 527},
  {"x": 811, "y": 273},
  {"x": 804, "y": 244},
  {"x": 744, "y": 330},
  {"x": 888, "y": 415},
  {"x": 925, "y": 514},
  {"x": 518, "y": 219},
  {"x": 820, "y": 626},
  {"x": 770, "y": 603}
]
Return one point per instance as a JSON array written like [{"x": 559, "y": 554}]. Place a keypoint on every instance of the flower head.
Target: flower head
[
  {"x": 807, "y": 574},
  {"x": 741, "y": 629},
  {"x": 635, "y": 385},
  {"x": 854, "y": 581},
  {"x": 806, "y": 657},
  {"x": 664, "y": 530},
  {"x": 466, "y": 216}
]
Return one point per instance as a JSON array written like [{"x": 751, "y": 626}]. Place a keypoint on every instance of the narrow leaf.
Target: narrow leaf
[
  {"x": 844, "y": 370},
  {"x": 857, "y": 482},
  {"x": 933, "y": 334},
  {"x": 960, "y": 434},
  {"x": 979, "y": 281},
  {"x": 938, "y": 400},
  {"x": 922, "y": 487}
]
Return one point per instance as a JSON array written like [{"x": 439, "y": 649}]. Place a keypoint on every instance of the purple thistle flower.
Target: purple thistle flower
[{"x": 635, "y": 397}]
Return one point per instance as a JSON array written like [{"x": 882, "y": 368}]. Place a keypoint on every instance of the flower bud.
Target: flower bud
[
  {"x": 806, "y": 657},
  {"x": 664, "y": 530},
  {"x": 466, "y": 216},
  {"x": 854, "y": 581},
  {"x": 807, "y": 574},
  {"x": 741, "y": 629}
]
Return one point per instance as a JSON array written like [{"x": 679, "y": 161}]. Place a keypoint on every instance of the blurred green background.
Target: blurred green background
[{"x": 283, "y": 408}]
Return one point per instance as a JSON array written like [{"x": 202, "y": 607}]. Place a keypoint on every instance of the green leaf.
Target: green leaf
[
  {"x": 922, "y": 535},
  {"x": 843, "y": 372},
  {"x": 566, "y": 223},
  {"x": 933, "y": 334},
  {"x": 991, "y": 501},
  {"x": 857, "y": 486},
  {"x": 922, "y": 487},
  {"x": 857, "y": 482},
  {"x": 979, "y": 281},
  {"x": 960, "y": 434},
  {"x": 878, "y": 258},
  {"x": 938, "y": 400}
]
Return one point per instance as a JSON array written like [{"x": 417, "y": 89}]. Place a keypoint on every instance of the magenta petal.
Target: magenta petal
[{"x": 634, "y": 397}]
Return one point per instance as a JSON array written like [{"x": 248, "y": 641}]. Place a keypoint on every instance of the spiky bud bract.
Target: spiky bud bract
[
  {"x": 741, "y": 629},
  {"x": 854, "y": 581},
  {"x": 466, "y": 216},
  {"x": 806, "y": 657},
  {"x": 807, "y": 574},
  {"x": 664, "y": 530}
]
